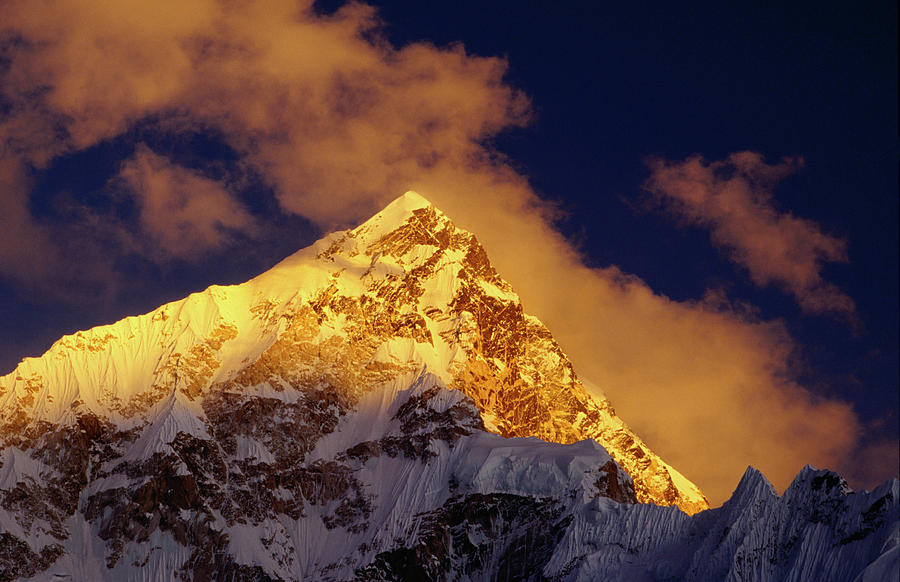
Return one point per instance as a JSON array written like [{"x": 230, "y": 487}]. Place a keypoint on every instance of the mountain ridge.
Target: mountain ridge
[{"x": 332, "y": 419}]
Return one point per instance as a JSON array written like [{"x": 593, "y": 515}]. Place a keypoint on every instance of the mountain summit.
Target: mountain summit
[
  {"x": 405, "y": 291},
  {"x": 332, "y": 418}
]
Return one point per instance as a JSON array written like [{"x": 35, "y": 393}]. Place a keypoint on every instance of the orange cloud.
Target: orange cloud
[
  {"x": 184, "y": 214},
  {"x": 338, "y": 122},
  {"x": 733, "y": 199},
  {"x": 298, "y": 94}
]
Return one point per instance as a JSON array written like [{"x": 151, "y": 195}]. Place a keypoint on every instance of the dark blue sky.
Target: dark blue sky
[{"x": 611, "y": 85}]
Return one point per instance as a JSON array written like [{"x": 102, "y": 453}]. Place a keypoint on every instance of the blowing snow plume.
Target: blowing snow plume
[{"x": 336, "y": 121}]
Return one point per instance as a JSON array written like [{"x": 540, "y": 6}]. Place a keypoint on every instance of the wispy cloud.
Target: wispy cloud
[
  {"x": 733, "y": 199},
  {"x": 182, "y": 213}
]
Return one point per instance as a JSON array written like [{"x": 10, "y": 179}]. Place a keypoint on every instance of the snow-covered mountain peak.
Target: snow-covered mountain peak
[
  {"x": 376, "y": 406},
  {"x": 823, "y": 481},
  {"x": 406, "y": 290},
  {"x": 753, "y": 486},
  {"x": 393, "y": 215}
]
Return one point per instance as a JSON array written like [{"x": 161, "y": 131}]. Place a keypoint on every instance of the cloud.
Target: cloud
[
  {"x": 337, "y": 122},
  {"x": 733, "y": 199},
  {"x": 183, "y": 213},
  {"x": 296, "y": 93}
]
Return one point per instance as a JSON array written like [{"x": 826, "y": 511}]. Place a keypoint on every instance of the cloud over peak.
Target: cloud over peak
[{"x": 330, "y": 116}]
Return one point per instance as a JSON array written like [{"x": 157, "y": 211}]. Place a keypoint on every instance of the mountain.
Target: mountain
[
  {"x": 376, "y": 406},
  {"x": 818, "y": 531}
]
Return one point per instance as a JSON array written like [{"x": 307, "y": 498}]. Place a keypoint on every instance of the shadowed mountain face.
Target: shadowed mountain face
[{"x": 333, "y": 418}]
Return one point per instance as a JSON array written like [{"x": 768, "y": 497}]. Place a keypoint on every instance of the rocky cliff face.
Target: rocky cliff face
[{"x": 333, "y": 419}]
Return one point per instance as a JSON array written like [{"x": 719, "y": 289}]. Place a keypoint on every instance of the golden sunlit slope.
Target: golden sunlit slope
[{"x": 405, "y": 291}]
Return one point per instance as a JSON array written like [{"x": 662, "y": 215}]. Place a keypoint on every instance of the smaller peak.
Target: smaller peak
[
  {"x": 820, "y": 480},
  {"x": 753, "y": 485},
  {"x": 807, "y": 472},
  {"x": 753, "y": 474}
]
